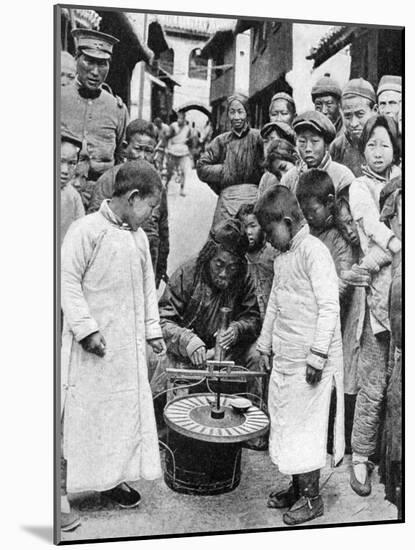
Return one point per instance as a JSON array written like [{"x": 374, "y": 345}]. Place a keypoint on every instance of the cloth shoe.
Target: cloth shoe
[
  {"x": 70, "y": 520},
  {"x": 123, "y": 495},
  {"x": 285, "y": 498},
  {"x": 362, "y": 489},
  {"x": 310, "y": 504}
]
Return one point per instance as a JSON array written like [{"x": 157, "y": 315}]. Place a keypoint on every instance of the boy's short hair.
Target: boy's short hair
[
  {"x": 140, "y": 126},
  {"x": 245, "y": 210},
  {"x": 277, "y": 203},
  {"x": 341, "y": 202},
  {"x": 137, "y": 175},
  {"x": 315, "y": 183},
  {"x": 382, "y": 121}
]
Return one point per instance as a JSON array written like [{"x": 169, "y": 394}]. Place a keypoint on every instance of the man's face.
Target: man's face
[
  {"x": 379, "y": 151},
  {"x": 237, "y": 115},
  {"x": 92, "y": 72},
  {"x": 69, "y": 160},
  {"x": 181, "y": 119},
  {"x": 253, "y": 232},
  {"x": 278, "y": 234},
  {"x": 356, "y": 111},
  {"x": 328, "y": 106},
  {"x": 223, "y": 267},
  {"x": 390, "y": 104},
  {"x": 139, "y": 210},
  {"x": 141, "y": 146},
  {"x": 347, "y": 226},
  {"x": 315, "y": 212},
  {"x": 68, "y": 71},
  {"x": 312, "y": 147},
  {"x": 281, "y": 112}
]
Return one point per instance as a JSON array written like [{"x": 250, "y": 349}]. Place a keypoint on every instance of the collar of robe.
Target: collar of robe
[
  {"x": 243, "y": 132},
  {"x": 374, "y": 176},
  {"x": 299, "y": 236},
  {"x": 85, "y": 92},
  {"x": 109, "y": 215}
]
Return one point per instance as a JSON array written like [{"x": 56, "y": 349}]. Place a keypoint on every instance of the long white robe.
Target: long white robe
[
  {"x": 110, "y": 433},
  {"x": 303, "y": 314}
]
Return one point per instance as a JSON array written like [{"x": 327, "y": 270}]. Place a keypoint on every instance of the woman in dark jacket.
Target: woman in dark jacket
[{"x": 232, "y": 162}]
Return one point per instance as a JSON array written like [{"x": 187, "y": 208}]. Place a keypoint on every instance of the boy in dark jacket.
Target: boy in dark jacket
[{"x": 141, "y": 142}]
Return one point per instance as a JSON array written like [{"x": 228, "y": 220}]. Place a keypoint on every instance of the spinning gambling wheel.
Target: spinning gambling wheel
[{"x": 191, "y": 416}]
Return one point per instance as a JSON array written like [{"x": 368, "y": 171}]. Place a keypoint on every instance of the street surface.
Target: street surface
[{"x": 162, "y": 511}]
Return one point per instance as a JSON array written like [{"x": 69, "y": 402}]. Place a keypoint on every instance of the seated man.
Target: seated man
[{"x": 190, "y": 306}]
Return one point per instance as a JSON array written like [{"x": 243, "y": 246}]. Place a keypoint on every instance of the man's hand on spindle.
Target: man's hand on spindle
[
  {"x": 228, "y": 338},
  {"x": 198, "y": 357}
]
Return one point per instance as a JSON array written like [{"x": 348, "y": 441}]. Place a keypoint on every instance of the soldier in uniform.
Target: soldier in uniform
[{"x": 89, "y": 112}]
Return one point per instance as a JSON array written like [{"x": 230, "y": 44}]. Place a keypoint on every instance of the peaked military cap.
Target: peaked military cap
[{"x": 94, "y": 43}]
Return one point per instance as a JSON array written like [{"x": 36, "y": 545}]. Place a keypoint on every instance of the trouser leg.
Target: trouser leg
[{"x": 372, "y": 385}]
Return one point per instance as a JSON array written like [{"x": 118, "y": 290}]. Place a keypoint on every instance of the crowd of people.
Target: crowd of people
[{"x": 304, "y": 250}]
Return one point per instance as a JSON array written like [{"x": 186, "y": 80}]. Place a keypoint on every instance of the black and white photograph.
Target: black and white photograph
[{"x": 228, "y": 260}]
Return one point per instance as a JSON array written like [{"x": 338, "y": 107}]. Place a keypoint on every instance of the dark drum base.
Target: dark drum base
[{"x": 201, "y": 468}]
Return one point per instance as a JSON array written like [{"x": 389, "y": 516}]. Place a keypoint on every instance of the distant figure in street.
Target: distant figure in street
[
  {"x": 68, "y": 69},
  {"x": 71, "y": 202},
  {"x": 282, "y": 108},
  {"x": 91, "y": 114},
  {"x": 232, "y": 163},
  {"x": 314, "y": 133},
  {"x": 326, "y": 95},
  {"x": 194, "y": 143},
  {"x": 178, "y": 150},
  {"x": 279, "y": 151},
  {"x": 358, "y": 105},
  {"x": 301, "y": 330},
  {"x": 141, "y": 141},
  {"x": 162, "y": 140},
  {"x": 110, "y": 310}
]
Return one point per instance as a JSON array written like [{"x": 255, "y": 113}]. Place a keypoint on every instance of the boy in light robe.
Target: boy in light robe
[{"x": 110, "y": 309}]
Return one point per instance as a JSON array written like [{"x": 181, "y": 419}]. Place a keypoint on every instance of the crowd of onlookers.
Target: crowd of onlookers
[{"x": 305, "y": 250}]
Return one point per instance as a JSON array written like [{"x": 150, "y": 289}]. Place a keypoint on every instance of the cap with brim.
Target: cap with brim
[
  {"x": 390, "y": 83},
  {"x": 73, "y": 140},
  {"x": 317, "y": 122},
  {"x": 94, "y": 43},
  {"x": 326, "y": 86},
  {"x": 359, "y": 87},
  {"x": 283, "y": 130}
]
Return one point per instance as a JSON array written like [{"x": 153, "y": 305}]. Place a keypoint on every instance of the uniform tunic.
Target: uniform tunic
[
  {"x": 100, "y": 122},
  {"x": 303, "y": 313},
  {"x": 108, "y": 285}
]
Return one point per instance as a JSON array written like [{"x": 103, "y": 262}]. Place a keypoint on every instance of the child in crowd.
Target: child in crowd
[
  {"x": 379, "y": 145},
  {"x": 71, "y": 202},
  {"x": 314, "y": 133},
  {"x": 315, "y": 194},
  {"x": 141, "y": 143},
  {"x": 110, "y": 305},
  {"x": 302, "y": 331},
  {"x": 279, "y": 151},
  {"x": 260, "y": 256}
]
